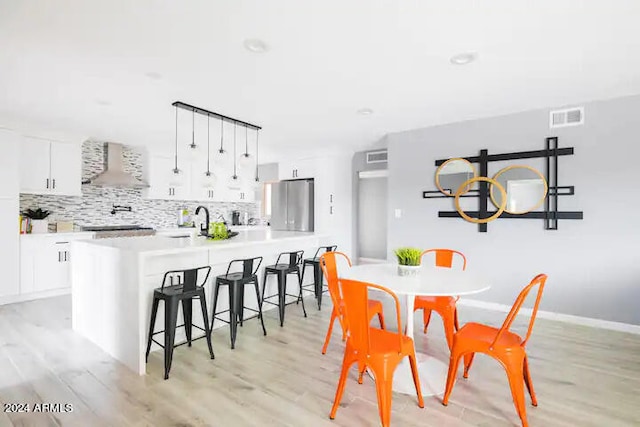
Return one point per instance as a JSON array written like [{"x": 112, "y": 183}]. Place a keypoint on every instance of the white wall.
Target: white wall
[{"x": 593, "y": 264}]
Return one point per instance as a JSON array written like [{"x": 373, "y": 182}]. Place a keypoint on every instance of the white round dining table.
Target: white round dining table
[{"x": 431, "y": 281}]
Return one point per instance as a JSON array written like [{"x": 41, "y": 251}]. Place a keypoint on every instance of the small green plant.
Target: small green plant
[
  {"x": 36, "y": 214},
  {"x": 218, "y": 231},
  {"x": 408, "y": 256}
]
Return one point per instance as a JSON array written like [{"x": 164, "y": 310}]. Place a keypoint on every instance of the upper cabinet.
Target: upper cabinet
[
  {"x": 9, "y": 175},
  {"x": 164, "y": 184},
  {"x": 298, "y": 169},
  {"x": 50, "y": 167}
]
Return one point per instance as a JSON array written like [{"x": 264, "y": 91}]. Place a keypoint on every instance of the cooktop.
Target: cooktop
[{"x": 115, "y": 228}]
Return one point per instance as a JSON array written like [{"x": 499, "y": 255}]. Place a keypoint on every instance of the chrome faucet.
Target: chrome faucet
[{"x": 204, "y": 229}]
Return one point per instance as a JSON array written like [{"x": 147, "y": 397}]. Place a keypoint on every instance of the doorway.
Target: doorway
[{"x": 372, "y": 216}]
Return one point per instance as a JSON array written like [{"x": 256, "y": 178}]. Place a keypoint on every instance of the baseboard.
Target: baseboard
[
  {"x": 11, "y": 299},
  {"x": 568, "y": 318}
]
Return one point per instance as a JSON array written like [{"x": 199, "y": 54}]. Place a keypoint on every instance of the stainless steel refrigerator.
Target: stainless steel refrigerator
[{"x": 292, "y": 205}]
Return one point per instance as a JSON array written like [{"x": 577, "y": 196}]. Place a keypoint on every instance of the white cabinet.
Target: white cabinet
[
  {"x": 9, "y": 236},
  {"x": 45, "y": 262},
  {"x": 164, "y": 184},
  {"x": 9, "y": 175},
  {"x": 297, "y": 169},
  {"x": 50, "y": 167}
]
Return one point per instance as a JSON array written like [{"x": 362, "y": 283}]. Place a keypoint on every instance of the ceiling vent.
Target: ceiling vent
[
  {"x": 567, "y": 117},
  {"x": 377, "y": 156}
]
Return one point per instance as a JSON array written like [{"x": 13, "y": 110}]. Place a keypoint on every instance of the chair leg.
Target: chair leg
[
  {"x": 154, "y": 311},
  {"x": 215, "y": 304},
  {"x": 257, "y": 287},
  {"x": 426, "y": 317},
  {"x": 282, "y": 290},
  {"x": 334, "y": 314},
  {"x": 187, "y": 314},
  {"x": 347, "y": 361},
  {"x": 448, "y": 322},
  {"x": 454, "y": 361},
  {"x": 301, "y": 299},
  {"x": 528, "y": 383},
  {"x": 233, "y": 315},
  {"x": 381, "y": 320},
  {"x": 384, "y": 392},
  {"x": 205, "y": 318},
  {"x": 170, "y": 319},
  {"x": 240, "y": 306},
  {"x": 515, "y": 373},
  {"x": 317, "y": 282},
  {"x": 468, "y": 361},
  {"x": 416, "y": 378}
]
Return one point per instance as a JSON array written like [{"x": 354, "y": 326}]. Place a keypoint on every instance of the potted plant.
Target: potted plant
[
  {"x": 408, "y": 261},
  {"x": 39, "y": 221}
]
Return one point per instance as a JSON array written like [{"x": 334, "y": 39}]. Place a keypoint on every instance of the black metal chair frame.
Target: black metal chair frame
[
  {"x": 283, "y": 271},
  {"x": 317, "y": 286},
  {"x": 184, "y": 294},
  {"x": 236, "y": 299}
]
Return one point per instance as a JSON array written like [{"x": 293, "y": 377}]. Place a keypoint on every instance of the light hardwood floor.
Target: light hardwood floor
[{"x": 583, "y": 377}]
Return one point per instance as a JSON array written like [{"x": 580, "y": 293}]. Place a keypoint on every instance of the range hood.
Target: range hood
[{"x": 114, "y": 174}]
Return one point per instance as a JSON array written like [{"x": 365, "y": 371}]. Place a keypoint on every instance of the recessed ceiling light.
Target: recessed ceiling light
[
  {"x": 463, "y": 58},
  {"x": 365, "y": 111},
  {"x": 153, "y": 75},
  {"x": 255, "y": 45}
]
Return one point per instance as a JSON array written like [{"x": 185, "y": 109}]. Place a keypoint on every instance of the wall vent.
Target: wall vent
[
  {"x": 566, "y": 117},
  {"x": 377, "y": 156}
]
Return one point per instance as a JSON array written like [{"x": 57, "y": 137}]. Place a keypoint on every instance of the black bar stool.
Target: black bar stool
[
  {"x": 236, "y": 282},
  {"x": 185, "y": 291},
  {"x": 283, "y": 271},
  {"x": 317, "y": 272}
]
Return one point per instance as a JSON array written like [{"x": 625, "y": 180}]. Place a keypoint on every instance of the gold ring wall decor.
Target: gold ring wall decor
[
  {"x": 449, "y": 163},
  {"x": 493, "y": 183},
  {"x": 507, "y": 200}
]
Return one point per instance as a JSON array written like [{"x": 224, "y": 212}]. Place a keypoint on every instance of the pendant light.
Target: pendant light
[
  {"x": 193, "y": 129},
  {"x": 245, "y": 158},
  {"x": 176, "y": 171},
  {"x": 211, "y": 177},
  {"x": 257, "y": 177},
  {"x": 234, "y": 180}
]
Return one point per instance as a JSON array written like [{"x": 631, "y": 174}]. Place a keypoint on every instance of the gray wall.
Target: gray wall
[
  {"x": 372, "y": 218},
  {"x": 593, "y": 264}
]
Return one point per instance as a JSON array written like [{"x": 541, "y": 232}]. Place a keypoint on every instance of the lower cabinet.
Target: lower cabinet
[{"x": 45, "y": 262}]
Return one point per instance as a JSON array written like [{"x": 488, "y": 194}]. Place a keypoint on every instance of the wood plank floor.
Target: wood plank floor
[{"x": 583, "y": 377}]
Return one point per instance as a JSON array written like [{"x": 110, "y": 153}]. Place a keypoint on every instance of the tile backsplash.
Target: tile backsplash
[{"x": 94, "y": 207}]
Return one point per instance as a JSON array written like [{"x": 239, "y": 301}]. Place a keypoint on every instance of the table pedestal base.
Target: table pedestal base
[{"x": 433, "y": 376}]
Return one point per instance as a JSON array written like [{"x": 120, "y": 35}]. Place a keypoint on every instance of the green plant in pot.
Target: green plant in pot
[
  {"x": 408, "y": 261},
  {"x": 39, "y": 221}
]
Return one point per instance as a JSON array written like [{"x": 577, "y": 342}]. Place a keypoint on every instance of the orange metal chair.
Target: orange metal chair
[
  {"x": 505, "y": 346},
  {"x": 329, "y": 268},
  {"x": 379, "y": 350},
  {"x": 444, "y": 306}
]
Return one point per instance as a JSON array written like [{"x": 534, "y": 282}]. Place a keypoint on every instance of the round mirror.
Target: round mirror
[
  {"x": 525, "y": 186},
  {"x": 493, "y": 184},
  {"x": 452, "y": 174}
]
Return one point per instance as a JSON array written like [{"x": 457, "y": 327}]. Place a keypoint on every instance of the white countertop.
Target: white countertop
[
  {"x": 59, "y": 235},
  {"x": 159, "y": 245}
]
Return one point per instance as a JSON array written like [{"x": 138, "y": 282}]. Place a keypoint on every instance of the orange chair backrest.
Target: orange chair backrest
[
  {"x": 355, "y": 295},
  {"x": 539, "y": 281},
  {"x": 329, "y": 266},
  {"x": 444, "y": 257}
]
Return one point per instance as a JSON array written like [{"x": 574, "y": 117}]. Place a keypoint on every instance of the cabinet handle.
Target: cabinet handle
[
  {"x": 330, "y": 198},
  {"x": 59, "y": 256},
  {"x": 66, "y": 255},
  {"x": 47, "y": 182},
  {"x": 61, "y": 243},
  {"x": 330, "y": 210},
  {"x": 53, "y": 183}
]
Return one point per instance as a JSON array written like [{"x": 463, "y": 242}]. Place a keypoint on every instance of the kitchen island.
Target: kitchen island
[{"x": 112, "y": 282}]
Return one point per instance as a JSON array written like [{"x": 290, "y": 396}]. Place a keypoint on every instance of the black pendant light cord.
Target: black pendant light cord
[
  {"x": 208, "y": 150},
  {"x": 221, "y": 151},
  {"x": 246, "y": 141},
  {"x": 235, "y": 175},
  {"x": 176, "y": 170},
  {"x": 193, "y": 129}
]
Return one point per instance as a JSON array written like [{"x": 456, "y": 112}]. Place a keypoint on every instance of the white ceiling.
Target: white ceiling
[{"x": 60, "y": 61}]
